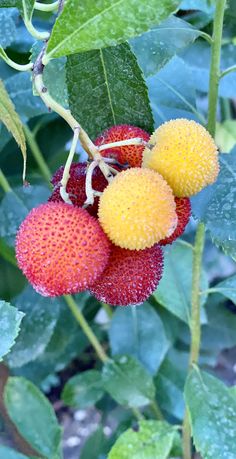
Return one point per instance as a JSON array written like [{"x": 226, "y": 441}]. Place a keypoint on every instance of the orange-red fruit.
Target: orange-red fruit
[
  {"x": 61, "y": 249},
  {"x": 76, "y": 186},
  {"x": 183, "y": 210},
  {"x": 131, "y": 154},
  {"x": 130, "y": 277}
]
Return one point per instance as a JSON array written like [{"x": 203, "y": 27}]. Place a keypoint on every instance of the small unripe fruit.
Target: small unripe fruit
[
  {"x": 130, "y": 277},
  {"x": 185, "y": 154},
  {"x": 183, "y": 211},
  {"x": 61, "y": 249},
  {"x": 137, "y": 209},
  {"x": 76, "y": 186},
  {"x": 131, "y": 154}
]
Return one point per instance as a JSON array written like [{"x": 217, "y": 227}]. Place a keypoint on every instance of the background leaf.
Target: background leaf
[
  {"x": 12, "y": 454},
  {"x": 41, "y": 316},
  {"x": 7, "y": 27},
  {"x": 138, "y": 331},
  {"x": 174, "y": 290},
  {"x": 127, "y": 382},
  {"x": 83, "y": 390},
  {"x": 212, "y": 410},
  {"x": 33, "y": 416},
  {"x": 157, "y": 46},
  {"x": 105, "y": 23},
  {"x": 11, "y": 120},
  {"x": 15, "y": 206},
  {"x": 10, "y": 319},
  {"x": 119, "y": 92}
]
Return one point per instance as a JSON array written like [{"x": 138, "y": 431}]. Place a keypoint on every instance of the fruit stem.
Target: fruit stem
[
  {"x": 86, "y": 328},
  {"x": 48, "y": 7},
  {"x": 215, "y": 65},
  {"x": 90, "y": 193},
  {"x": 43, "y": 167},
  {"x": 123, "y": 143},
  {"x": 4, "y": 183},
  {"x": 66, "y": 172},
  {"x": 14, "y": 65},
  {"x": 66, "y": 114}
]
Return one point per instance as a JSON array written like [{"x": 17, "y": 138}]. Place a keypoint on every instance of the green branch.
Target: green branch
[
  {"x": 200, "y": 234},
  {"x": 43, "y": 167},
  {"x": 215, "y": 65}
]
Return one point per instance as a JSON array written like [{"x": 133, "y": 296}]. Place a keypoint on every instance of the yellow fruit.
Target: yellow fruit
[
  {"x": 185, "y": 154},
  {"x": 137, "y": 209}
]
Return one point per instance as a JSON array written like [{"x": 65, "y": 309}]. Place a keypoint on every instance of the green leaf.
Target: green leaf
[
  {"x": 216, "y": 204},
  {"x": 154, "y": 439},
  {"x": 55, "y": 80},
  {"x": 41, "y": 316},
  {"x": 12, "y": 121},
  {"x": 227, "y": 288},
  {"x": 212, "y": 410},
  {"x": 9, "y": 453},
  {"x": 157, "y": 46},
  {"x": 95, "y": 446},
  {"x": 83, "y": 390},
  {"x": 15, "y": 206},
  {"x": 7, "y": 28},
  {"x": 118, "y": 89},
  {"x": 138, "y": 331},
  {"x": 174, "y": 290},
  {"x": 127, "y": 382},
  {"x": 33, "y": 416},
  {"x": 205, "y": 5},
  {"x": 10, "y": 319},
  {"x": 83, "y": 26},
  {"x": 169, "y": 383}
]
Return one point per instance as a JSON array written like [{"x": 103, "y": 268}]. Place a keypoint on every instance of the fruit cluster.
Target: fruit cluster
[{"x": 114, "y": 247}]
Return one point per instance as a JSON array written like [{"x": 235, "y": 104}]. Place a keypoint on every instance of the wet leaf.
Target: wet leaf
[
  {"x": 212, "y": 409},
  {"x": 10, "y": 319},
  {"x": 153, "y": 439},
  {"x": 127, "y": 382}
]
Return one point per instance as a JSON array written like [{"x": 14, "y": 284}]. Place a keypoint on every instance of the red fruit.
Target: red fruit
[
  {"x": 131, "y": 154},
  {"x": 130, "y": 276},
  {"x": 76, "y": 186},
  {"x": 61, "y": 249},
  {"x": 183, "y": 210}
]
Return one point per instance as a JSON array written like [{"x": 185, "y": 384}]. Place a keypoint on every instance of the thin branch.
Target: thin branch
[{"x": 228, "y": 70}]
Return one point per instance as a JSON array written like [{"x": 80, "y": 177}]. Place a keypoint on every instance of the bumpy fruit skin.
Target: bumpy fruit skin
[
  {"x": 185, "y": 154},
  {"x": 76, "y": 186},
  {"x": 131, "y": 154},
  {"x": 137, "y": 209},
  {"x": 183, "y": 210},
  {"x": 130, "y": 277},
  {"x": 61, "y": 249}
]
